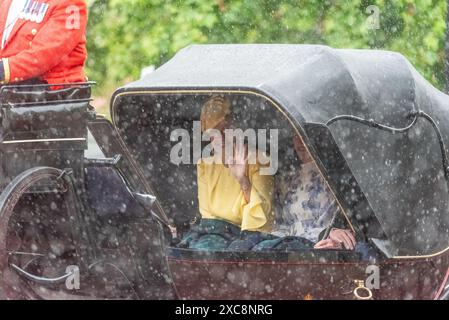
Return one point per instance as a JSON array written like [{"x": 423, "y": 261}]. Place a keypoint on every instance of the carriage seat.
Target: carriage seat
[
  {"x": 20, "y": 94},
  {"x": 43, "y": 125}
]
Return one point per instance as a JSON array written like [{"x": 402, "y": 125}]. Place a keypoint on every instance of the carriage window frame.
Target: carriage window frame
[{"x": 296, "y": 127}]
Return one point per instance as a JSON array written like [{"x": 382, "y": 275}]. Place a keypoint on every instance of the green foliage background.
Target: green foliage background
[{"x": 126, "y": 35}]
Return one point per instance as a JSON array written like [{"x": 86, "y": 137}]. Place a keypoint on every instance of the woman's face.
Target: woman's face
[{"x": 301, "y": 150}]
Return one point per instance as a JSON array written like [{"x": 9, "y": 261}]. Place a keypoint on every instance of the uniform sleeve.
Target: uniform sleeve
[
  {"x": 53, "y": 43},
  {"x": 257, "y": 214}
]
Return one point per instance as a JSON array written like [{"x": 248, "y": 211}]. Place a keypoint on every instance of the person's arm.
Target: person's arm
[
  {"x": 338, "y": 239},
  {"x": 257, "y": 192},
  {"x": 343, "y": 236},
  {"x": 238, "y": 165},
  {"x": 245, "y": 185},
  {"x": 339, "y": 236},
  {"x": 257, "y": 213},
  {"x": 57, "y": 38},
  {"x": 323, "y": 217}
]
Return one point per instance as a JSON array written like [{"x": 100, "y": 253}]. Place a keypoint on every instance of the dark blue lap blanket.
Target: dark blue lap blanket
[
  {"x": 248, "y": 240},
  {"x": 214, "y": 234},
  {"x": 284, "y": 244},
  {"x": 210, "y": 234},
  {"x": 289, "y": 244}
]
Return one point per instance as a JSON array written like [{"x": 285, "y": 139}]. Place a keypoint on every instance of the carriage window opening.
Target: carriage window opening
[{"x": 277, "y": 201}]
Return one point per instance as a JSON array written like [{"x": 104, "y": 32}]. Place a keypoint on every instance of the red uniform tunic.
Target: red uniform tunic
[{"x": 47, "y": 42}]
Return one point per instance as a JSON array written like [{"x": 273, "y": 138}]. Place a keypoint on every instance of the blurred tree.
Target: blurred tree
[{"x": 126, "y": 35}]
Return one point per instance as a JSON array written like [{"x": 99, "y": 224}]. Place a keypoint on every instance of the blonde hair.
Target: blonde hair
[{"x": 214, "y": 110}]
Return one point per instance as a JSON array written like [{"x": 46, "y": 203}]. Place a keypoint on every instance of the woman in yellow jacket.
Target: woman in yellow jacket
[{"x": 235, "y": 200}]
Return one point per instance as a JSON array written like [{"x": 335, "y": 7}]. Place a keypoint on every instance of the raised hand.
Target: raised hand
[
  {"x": 327, "y": 244},
  {"x": 344, "y": 237},
  {"x": 238, "y": 164}
]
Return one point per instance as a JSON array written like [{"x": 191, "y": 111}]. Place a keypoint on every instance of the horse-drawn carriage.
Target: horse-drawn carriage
[{"x": 78, "y": 228}]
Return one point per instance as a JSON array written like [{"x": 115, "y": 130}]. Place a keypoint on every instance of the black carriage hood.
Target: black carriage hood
[{"x": 401, "y": 175}]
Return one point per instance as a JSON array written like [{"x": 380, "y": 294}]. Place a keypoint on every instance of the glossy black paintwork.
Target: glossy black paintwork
[{"x": 400, "y": 175}]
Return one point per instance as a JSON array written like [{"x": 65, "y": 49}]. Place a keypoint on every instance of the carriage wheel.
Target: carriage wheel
[
  {"x": 40, "y": 245},
  {"x": 35, "y": 236}
]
